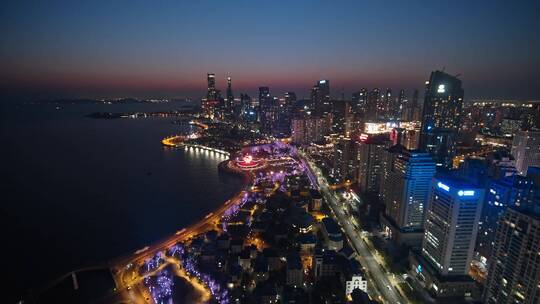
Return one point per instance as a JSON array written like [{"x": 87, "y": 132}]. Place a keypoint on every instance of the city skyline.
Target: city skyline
[
  {"x": 105, "y": 50},
  {"x": 353, "y": 152}
]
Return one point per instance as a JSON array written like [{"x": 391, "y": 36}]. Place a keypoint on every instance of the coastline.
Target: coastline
[
  {"x": 122, "y": 269},
  {"x": 247, "y": 180},
  {"x": 114, "y": 265}
]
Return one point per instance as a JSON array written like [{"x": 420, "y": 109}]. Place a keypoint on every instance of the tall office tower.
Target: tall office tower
[
  {"x": 406, "y": 189},
  {"x": 282, "y": 127},
  {"x": 359, "y": 101},
  {"x": 412, "y": 111},
  {"x": 526, "y": 150},
  {"x": 374, "y": 100},
  {"x": 264, "y": 94},
  {"x": 211, "y": 79},
  {"x": 514, "y": 272},
  {"x": 453, "y": 212},
  {"x": 344, "y": 160},
  {"x": 320, "y": 97},
  {"x": 211, "y": 102},
  {"x": 370, "y": 162},
  {"x": 290, "y": 98},
  {"x": 230, "y": 96},
  {"x": 349, "y": 119},
  {"x": 441, "y": 117},
  {"x": 268, "y": 110},
  {"x": 399, "y": 105},
  {"x": 505, "y": 192},
  {"x": 414, "y": 101},
  {"x": 386, "y": 105},
  {"x": 340, "y": 113},
  {"x": 248, "y": 112}
]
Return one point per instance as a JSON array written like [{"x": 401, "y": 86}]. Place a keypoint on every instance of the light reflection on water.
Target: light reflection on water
[{"x": 84, "y": 190}]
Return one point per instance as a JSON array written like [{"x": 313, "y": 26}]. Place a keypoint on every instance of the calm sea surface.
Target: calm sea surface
[{"x": 78, "y": 191}]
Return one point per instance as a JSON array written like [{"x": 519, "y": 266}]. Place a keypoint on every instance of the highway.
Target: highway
[{"x": 376, "y": 273}]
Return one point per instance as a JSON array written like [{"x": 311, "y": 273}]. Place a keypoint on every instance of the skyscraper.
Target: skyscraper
[
  {"x": 514, "y": 270},
  {"x": 453, "y": 212},
  {"x": 320, "y": 97},
  {"x": 211, "y": 102},
  {"x": 451, "y": 224},
  {"x": 309, "y": 129},
  {"x": 359, "y": 101},
  {"x": 290, "y": 98},
  {"x": 411, "y": 111},
  {"x": 230, "y": 97},
  {"x": 344, "y": 160},
  {"x": 441, "y": 117},
  {"x": 414, "y": 101},
  {"x": 400, "y": 105},
  {"x": 282, "y": 128},
  {"x": 268, "y": 110},
  {"x": 386, "y": 108},
  {"x": 373, "y": 103},
  {"x": 406, "y": 188},
  {"x": 370, "y": 162},
  {"x": 502, "y": 193},
  {"x": 526, "y": 150},
  {"x": 248, "y": 110}
]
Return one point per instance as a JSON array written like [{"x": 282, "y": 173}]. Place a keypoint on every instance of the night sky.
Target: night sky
[{"x": 165, "y": 48}]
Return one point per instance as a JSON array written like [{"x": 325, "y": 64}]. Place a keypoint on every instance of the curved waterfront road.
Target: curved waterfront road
[{"x": 125, "y": 277}]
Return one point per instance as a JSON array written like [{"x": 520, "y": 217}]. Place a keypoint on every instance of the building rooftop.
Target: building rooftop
[
  {"x": 453, "y": 180},
  {"x": 331, "y": 226},
  {"x": 308, "y": 238},
  {"x": 293, "y": 261}
]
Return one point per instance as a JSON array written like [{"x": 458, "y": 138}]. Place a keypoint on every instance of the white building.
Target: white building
[
  {"x": 452, "y": 218},
  {"x": 453, "y": 213},
  {"x": 356, "y": 282}
]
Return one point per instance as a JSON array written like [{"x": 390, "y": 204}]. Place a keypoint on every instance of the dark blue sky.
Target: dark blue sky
[{"x": 165, "y": 48}]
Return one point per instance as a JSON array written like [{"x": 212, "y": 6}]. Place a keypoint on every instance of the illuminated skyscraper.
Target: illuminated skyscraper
[
  {"x": 211, "y": 102},
  {"x": 345, "y": 164},
  {"x": 385, "y": 109},
  {"x": 359, "y": 101},
  {"x": 451, "y": 224},
  {"x": 371, "y": 151},
  {"x": 374, "y": 100},
  {"x": 309, "y": 129},
  {"x": 212, "y": 93},
  {"x": 441, "y": 117},
  {"x": 282, "y": 127},
  {"x": 230, "y": 97},
  {"x": 268, "y": 110},
  {"x": 411, "y": 111},
  {"x": 399, "y": 106},
  {"x": 290, "y": 98},
  {"x": 320, "y": 97},
  {"x": 406, "y": 188},
  {"x": 450, "y": 230},
  {"x": 505, "y": 192},
  {"x": 514, "y": 270}
]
